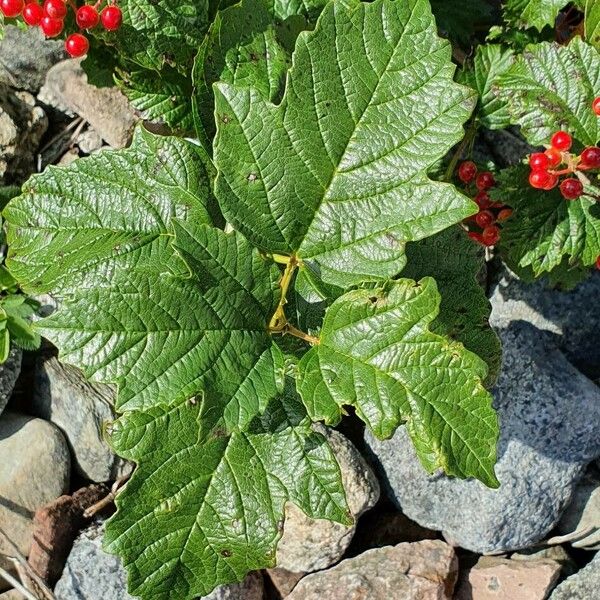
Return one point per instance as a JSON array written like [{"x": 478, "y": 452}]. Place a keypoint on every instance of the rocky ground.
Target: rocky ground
[{"x": 415, "y": 537}]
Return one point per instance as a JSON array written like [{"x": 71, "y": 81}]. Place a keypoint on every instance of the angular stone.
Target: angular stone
[
  {"x": 34, "y": 470},
  {"x": 81, "y": 410},
  {"x": 26, "y": 56},
  {"x": 550, "y": 418},
  {"x": 584, "y": 585},
  {"x": 420, "y": 571},
  {"x": 284, "y": 581},
  {"x": 105, "y": 109},
  {"x": 502, "y": 579},
  {"x": 9, "y": 373},
  {"x": 309, "y": 545}
]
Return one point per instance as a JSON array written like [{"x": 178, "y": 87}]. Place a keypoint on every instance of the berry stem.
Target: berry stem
[{"x": 466, "y": 141}]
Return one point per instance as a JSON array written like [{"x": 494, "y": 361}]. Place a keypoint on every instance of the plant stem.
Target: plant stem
[
  {"x": 311, "y": 339},
  {"x": 468, "y": 139},
  {"x": 16, "y": 584},
  {"x": 281, "y": 259},
  {"x": 278, "y": 320}
]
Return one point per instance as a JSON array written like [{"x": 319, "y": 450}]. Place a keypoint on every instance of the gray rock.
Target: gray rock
[
  {"x": 584, "y": 585},
  {"x": 22, "y": 125},
  {"x": 89, "y": 141},
  {"x": 80, "y": 409},
  {"x": 34, "y": 470},
  {"x": 309, "y": 545},
  {"x": 105, "y": 109},
  {"x": 420, "y": 571},
  {"x": 549, "y": 415},
  {"x": 506, "y": 146},
  {"x": 26, "y": 56},
  {"x": 92, "y": 574},
  {"x": 571, "y": 316},
  {"x": 9, "y": 373}
]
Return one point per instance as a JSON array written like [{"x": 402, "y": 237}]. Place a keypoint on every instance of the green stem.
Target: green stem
[{"x": 278, "y": 321}]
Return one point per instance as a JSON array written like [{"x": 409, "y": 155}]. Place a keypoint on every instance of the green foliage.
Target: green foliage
[
  {"x": 547, "y": 229},
  {"x": 460, "y": 20},
  {"x": 356, "y": 132},
  {"x": 592, "y": 23},
  {"x": 552, "y": 87},
  {"x": 533, "y": 13},
  {"x": 489, "y": 63},
  {"x": 398, "y": 373}
]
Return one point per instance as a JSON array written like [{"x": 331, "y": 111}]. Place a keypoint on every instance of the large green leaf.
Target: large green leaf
[
  {"x": 241, "y": 48},
  {"x": 376, "y": 353},
  {"x": 282, "y": 9},
  {"x": 455, "y": 263},
  {"x": 552, "y": 87},
  {"x": 156, "y": 33},
  {"x": 336, "y": 173},
  {"x": 546, "y": 228},
  {"x": 490, "y": 61},
  {"x": 204, "y": 508},
  {"x": 165, "y": 338},
  {"x": 74, "y": 227},
  {"x": 533, "y": 13},
  {"x": 164, "y": 97}
]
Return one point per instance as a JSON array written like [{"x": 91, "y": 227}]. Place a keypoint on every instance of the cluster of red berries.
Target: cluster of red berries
[
  {"x": 546, "y": 166},
  {"x": 484, "y": 226},
  {"x": 50, "y": 18}
]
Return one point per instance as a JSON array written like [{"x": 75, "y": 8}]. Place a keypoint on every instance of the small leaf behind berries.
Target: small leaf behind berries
[
  {"x": 376, "y": 353},
  {"x": 533, "y": 13},
  {"x": 547, "y": 229},
  {"x": 455, "y": 263},
  {"x": 592, "y": 23},
  {"x": 552, "y": 87},
  {"x": 203, "y": 508},
  {"x": 490, "y": 61},
  {"x": 337, "y": 173},
  {"x": 75, "y": 226}
]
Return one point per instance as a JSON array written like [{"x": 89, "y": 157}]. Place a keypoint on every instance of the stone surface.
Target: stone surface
[
  {"x": 550, "y": 418},
  {"x": 421, "y": 571},
  {"x": 584, "y": 585},
  {"x": 105, "y": 109},
  {"x": 571, "y": 316},
  {"x": 22, "y": 125},
  {"x": 9, "y": 373},
  {"x": 89, "y": 141},
  {"x": 502, "y": 579},
  {"x": 34, "y": 470},
  {"x": 284, "y": 581},
  {"x": 309, "y": 545},
  {"x": 557, "y": 554},
  {"x": 92, "y": 574},
  {"x": 26, "y": 56},
  {"x": 581, "y": 519},
  {"x": 81, "y": 410}
]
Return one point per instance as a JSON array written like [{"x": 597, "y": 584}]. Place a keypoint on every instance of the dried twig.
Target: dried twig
[
  {"x": 16, "y": 584},
  {"x": 109, "y": 499}
]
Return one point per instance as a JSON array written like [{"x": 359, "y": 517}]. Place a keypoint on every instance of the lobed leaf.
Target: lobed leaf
[
  {"x": 552, "y": 87},
  {"x": 336, "y": 173},
  {"x": 592, "y": 23},
  {"x": 547, "y": 229},
  {"x": 76, "y": 227},
  {"x": 533, "y": 13},
  {"x": 376, "y": 353},
  {"x": 204, "y": 508}
]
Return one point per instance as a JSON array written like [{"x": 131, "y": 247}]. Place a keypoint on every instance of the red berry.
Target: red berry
[
  {"x": 539, "y": 178},
  {"x": 561, "y": 140},
  {"x": 596, "y": 106},
  {"x": 485, "y": 181},
  {"x": 504, "y": 214},
  {"x": 598, "y": 263},
  {"x": 32, "y": 13},
  {"x": 538, "y": 160},
  {"x": 552, "y": 182},
  {"x": 87, "y": 17},
  {"x": 111, "y": 18},
  {"x": 590, "y": 157},
  {"x": 11, "y": 8},
  {"x": 476, "y": 236},
  {"x": 483, "y": 200},
  {"x": 490, "y": 235},
  {"x": 571, "y": 188},
  {"x": 554, "y": 157},
  {"x": 484, "y": 218},
  {"x": 57, "y": 9},
  {"x": 467, "y": 171},
  {"x": 77, "y": 45},
  {"x": 51, "y": 27}
]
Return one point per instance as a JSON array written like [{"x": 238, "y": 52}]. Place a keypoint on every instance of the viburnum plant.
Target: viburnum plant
[{"x": 308, "y": 239}]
